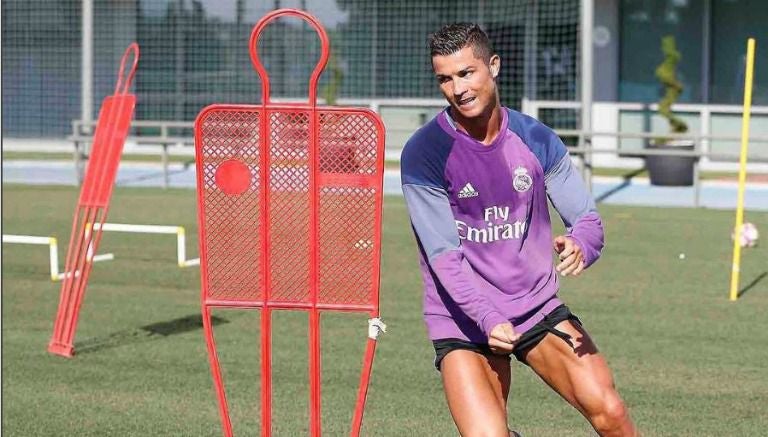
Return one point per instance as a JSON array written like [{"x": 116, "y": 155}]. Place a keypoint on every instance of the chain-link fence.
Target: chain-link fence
[{"x": 194, "y": 53}]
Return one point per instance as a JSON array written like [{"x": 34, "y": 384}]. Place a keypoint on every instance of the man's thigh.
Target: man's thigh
[
  {"x": 476, "y": 389},
  {"x": 579, "y": 373}
]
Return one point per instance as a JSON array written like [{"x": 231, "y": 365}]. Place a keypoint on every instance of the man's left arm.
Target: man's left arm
[{"x": 583, "y": 242}]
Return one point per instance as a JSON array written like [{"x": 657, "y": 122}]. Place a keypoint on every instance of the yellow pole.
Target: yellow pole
[{"x": 735, "y": 268}]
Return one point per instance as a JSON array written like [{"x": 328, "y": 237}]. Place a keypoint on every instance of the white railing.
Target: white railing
[
  {"x": 606, "y": 130},
  {"x": 604, "y": 140}
]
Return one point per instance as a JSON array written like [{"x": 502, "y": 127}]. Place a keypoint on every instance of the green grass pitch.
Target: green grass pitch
[{"x": 687, "y": 361}]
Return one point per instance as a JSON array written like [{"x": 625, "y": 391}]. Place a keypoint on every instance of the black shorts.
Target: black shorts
[{"x": 528, "y": 340}]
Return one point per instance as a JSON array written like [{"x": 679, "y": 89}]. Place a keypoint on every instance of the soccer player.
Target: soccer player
[{"x": 476, "y": 180}]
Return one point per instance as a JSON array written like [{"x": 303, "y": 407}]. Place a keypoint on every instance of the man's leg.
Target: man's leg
[
  {"x": 582, "y": 377},
  {"x": 476, "y": 388}
]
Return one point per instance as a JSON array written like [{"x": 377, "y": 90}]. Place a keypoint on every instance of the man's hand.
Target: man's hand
[
  {"x": 570, "y": 254},
  {"x": 503, "y": 338}
]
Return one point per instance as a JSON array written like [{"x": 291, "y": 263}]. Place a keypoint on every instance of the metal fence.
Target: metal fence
[{"x": 60, "y": 58}]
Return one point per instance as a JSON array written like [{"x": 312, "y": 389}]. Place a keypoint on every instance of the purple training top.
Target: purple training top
[{"x": 481, "y": 220}]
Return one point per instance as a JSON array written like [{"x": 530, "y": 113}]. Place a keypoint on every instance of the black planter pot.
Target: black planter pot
[{"x": 671, "y": 171}]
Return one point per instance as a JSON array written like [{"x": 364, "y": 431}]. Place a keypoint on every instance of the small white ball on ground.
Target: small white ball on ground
[{"x": 681, "y": 256}]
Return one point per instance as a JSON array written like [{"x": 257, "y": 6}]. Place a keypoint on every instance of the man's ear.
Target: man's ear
[{"x": 495, "y": 65}]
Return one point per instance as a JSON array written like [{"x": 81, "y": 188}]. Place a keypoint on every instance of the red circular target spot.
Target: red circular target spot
[{"x": 233, "y": 177}]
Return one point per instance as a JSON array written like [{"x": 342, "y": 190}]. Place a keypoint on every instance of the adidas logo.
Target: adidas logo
[{"x": 468, "y": 191}]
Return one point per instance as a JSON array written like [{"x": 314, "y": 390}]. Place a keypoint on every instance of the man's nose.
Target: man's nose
[{"x": 459, "y": 88}]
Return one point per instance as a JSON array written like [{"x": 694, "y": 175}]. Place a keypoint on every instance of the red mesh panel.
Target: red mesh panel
[
  {"x": 231, "y": 224},
  {"x": 349, "y": 185},
  {"x": 348, "y": 252},
  {"x": 347, "y": 143},
  {"x": 289, "y": 206},
  {"x": 347, "y": 244}
]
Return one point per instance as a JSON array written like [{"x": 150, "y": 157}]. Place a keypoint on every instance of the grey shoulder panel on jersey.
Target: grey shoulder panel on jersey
[
  {"x": 567, "y": 192},
  {"x": 432, "y": 218}
]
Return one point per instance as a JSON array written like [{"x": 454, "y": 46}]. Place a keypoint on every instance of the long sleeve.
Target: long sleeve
[{"x": 576, "y": 207}]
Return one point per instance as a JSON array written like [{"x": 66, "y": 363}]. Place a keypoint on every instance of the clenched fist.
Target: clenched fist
[
  {"x": 570, "y": 255},
  {"x": 503, "y": 338}
]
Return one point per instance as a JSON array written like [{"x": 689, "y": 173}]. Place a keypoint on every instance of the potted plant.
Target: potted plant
[{"x": 670, "y": 170}]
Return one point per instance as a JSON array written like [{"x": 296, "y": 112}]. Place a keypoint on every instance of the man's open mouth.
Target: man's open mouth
[{"x": 466, "y": 101}]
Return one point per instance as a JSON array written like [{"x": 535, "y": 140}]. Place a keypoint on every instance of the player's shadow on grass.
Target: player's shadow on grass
[
  {"x": 752, "y": 284},
  {"x": 624, "y": 184},
  {"x": 151, "y": 332}
]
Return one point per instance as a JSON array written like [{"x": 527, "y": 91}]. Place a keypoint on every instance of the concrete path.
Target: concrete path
[{"x": 610, "y": 190}]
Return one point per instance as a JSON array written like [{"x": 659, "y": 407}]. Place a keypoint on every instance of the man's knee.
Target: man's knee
[{"x": 612, "y": 415}]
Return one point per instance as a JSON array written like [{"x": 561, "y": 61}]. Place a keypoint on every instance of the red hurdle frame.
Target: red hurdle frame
[
  {"x": 267, "y": 174},
  {"x": 92, "y": 207}
]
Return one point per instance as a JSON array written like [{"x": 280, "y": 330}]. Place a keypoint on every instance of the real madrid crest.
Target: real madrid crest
[{"x": 522, "y": 181}]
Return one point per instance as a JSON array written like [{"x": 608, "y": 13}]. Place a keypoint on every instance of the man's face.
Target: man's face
[{"x": 467, "y": 82}]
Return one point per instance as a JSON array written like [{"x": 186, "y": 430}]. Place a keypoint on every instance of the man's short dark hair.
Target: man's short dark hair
[{"x": 454, "y": 37}]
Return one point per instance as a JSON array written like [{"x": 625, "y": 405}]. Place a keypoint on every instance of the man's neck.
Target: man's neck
[{"x": 484, "y": 128}]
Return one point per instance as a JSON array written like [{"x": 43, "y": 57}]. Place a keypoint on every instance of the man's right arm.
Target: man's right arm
[{"x": 432, "y": 218}]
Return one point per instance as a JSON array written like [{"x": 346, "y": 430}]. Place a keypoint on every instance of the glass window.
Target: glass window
[
  {"x": 733, "y": 21},
  {"x": 643, "y": 24}
]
